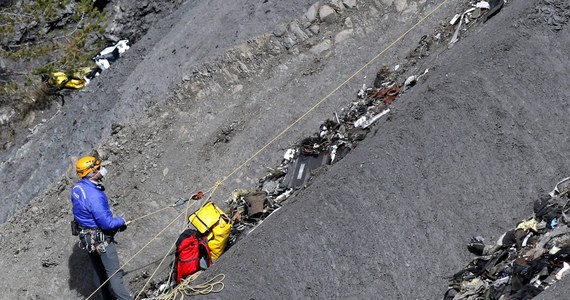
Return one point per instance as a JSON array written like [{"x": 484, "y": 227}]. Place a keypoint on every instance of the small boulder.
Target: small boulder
[
  {"x": 280, "y": 30},
  {"x": 348, "y": 23},
  {"x": 311, "y": 14},
  {"x": 349, "y": 3},
  {"x": 343, "y": 35},
  {"x": 299, "y": 33},
  {"x": 327, "y": 14},
  {"x": 321, "y": 47},
  {"x": 315, "y": 28}
]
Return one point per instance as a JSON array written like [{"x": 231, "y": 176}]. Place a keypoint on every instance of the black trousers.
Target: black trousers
[{"x": 106, "y": 264}]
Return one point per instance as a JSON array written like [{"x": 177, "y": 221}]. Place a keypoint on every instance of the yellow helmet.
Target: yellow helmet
[{"x": 86, "y": 164}]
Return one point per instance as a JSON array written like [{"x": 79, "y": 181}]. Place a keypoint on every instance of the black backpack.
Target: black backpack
[{"x": 547, "y": 208}]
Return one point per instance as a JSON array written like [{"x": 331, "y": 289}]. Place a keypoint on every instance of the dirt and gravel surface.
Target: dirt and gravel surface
[{"x": 464, "y": 152}]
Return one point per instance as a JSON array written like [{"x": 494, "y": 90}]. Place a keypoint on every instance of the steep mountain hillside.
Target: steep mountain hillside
[
  {"x": 466, "y": 153},
  {"x": 217, "y": 91}
]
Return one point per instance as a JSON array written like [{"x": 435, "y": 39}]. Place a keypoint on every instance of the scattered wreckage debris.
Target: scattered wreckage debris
[
  {"x": 81, "y": 77},
  {"x": 335, "y": 138},
  {"x": 523, "y": 261},
  {"x": 481, "y": 9},
  {"x": 109, "y": 55},
  {"x": 249, "y": 208},
  {"x": 72, "y": 80}
]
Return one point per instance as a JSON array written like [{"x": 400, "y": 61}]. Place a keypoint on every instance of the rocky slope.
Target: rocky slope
[
  {"x": 40, "y": 37},
  {"x": 465, "y": 153},
  {"x": 207, "y": 87}
]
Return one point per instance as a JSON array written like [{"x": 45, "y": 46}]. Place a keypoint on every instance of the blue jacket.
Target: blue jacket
[{"x": 91, "y": 208}]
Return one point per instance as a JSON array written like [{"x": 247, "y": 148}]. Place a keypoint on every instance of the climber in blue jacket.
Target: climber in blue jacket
[{"x": 98, "y": 226}]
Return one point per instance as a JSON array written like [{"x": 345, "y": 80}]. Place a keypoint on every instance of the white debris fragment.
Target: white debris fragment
[
  {"x": 397, "y": 67},
  {"x": 483, "y": 4},
  {"x": 284, "y": 196},
  {"x": 162, "y": 287},
  {"x": 562, "y": 271},
  {"x": 102, "y": 63},
  {"x": 360, "y": 121},
  {"x": 336, "y": 117},
  {"x": 454, "y": 19},
  {"x": 455, "y": 37},
  {"x": 361, "y": 92},
  {"x": 324, "y": 131},
  {"x": 333, "y": 152},
  {"x": 289, "y": 154},
  {"x": 375, "y": 118},
  {"x": 121, "y": 47},
  {"x": 410, "y": 81},
  {"x": 553, "y": 250}
]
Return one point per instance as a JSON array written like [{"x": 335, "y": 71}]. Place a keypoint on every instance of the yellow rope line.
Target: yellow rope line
[
  {"x": 155, "y": 270},
  {"x": 314, "y": 106},
  {"x": 317, "y": 104},
  {"x": 213, "y": 190},
  {"x": 334, "y": 90},
  {"x": 150, "y": 214}
]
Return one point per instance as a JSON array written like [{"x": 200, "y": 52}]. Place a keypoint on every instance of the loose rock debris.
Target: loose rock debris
[
  {"x": 555, "y": 13},
  {"x": 523, "y": 261}
]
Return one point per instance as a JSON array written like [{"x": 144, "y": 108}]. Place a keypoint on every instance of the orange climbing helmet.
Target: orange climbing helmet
[{"x": 87, "y": 164}]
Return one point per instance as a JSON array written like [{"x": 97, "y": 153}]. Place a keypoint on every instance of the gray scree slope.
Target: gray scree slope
[
  {"x": 143, "y": 77},
  {"x": 465, "y": 153}
]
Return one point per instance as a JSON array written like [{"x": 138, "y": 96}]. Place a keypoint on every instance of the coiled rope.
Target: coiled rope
[{"x": 185, "y": 288}]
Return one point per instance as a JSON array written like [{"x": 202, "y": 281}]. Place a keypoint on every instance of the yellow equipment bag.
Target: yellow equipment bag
[
  {"x": 61, "y": 80},
  {"x": 215, "y": 224}
]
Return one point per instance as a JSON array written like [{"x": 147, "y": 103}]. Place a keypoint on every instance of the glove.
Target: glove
[{"x": 123, "y": 228}]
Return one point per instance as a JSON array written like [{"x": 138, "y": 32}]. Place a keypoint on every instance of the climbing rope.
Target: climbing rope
[
  {"x": 318, "y": 103},
  {"x": 155, "y": 270},
  {"x": 152, "y": 213},
  {"x": 218, "y": 183},
  {"x": 213, "y": 285},
  {"x": 209, "y": 287},
  {"x": 334, "y": 91}
]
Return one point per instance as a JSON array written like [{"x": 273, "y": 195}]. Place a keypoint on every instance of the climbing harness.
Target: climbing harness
[{"x": 93, "y": 240}]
